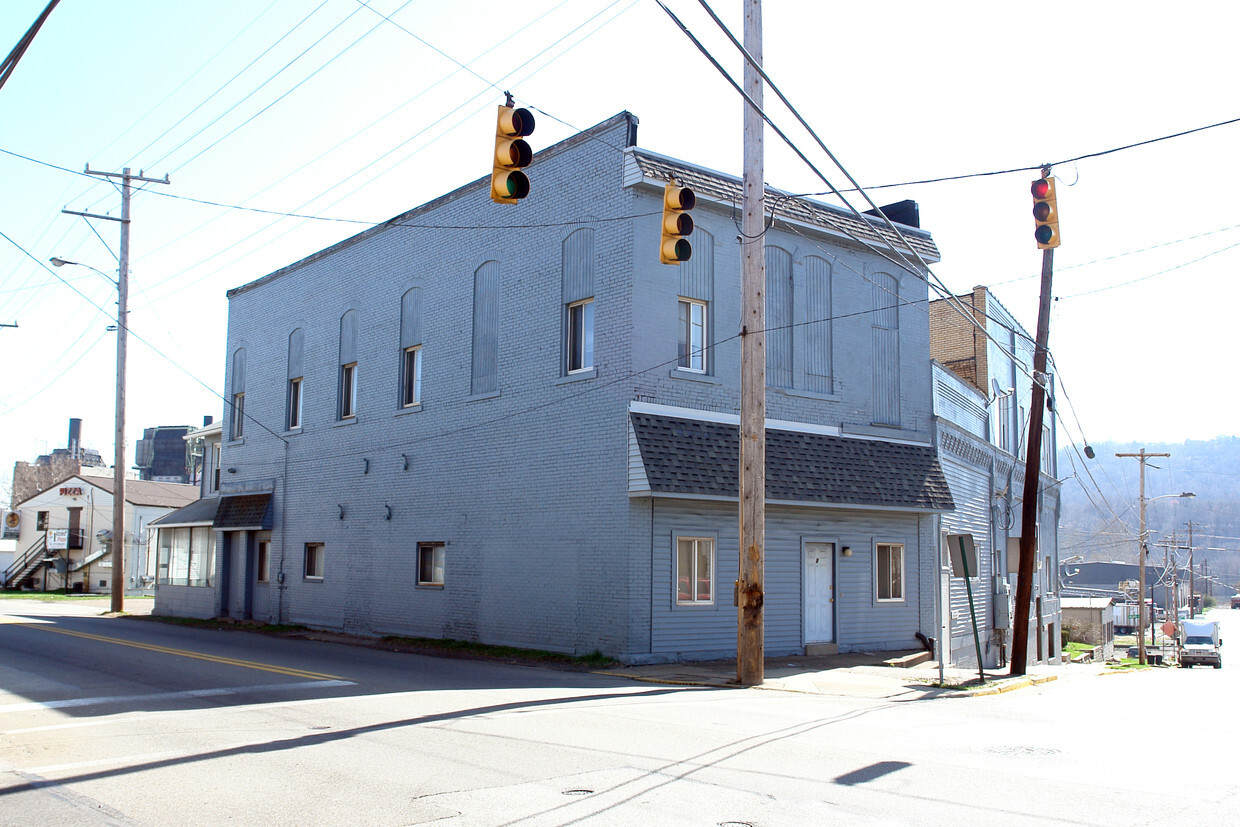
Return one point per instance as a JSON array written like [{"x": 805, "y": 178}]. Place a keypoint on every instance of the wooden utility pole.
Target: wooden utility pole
[
  {"x": 122, "y": 336},
  {"x": 1033, "y": 468},
  {"x": 1192, "y": 574},
  {"x": 749, "y": 584},
  {"x": 1142, "y": 456}
]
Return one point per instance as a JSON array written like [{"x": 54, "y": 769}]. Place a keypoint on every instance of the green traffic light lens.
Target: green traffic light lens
[{"x": 1044, "y": 234}]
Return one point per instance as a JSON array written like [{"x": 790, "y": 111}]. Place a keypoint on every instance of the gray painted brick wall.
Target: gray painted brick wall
[{"x": 527, "y": 488}]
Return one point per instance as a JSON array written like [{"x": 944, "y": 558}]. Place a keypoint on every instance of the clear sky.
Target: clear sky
[{"x": 324, "y": 108}]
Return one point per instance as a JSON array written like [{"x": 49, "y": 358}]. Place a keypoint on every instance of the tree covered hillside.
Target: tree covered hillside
[{"x": 1100, "y": 514}]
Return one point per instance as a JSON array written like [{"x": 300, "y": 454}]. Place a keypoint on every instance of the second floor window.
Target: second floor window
[
  {"x": 411, "y": 378},
  {"x": 691, "y": 347},
  {"x": 348, "y": 390},
  {"x": 580, "y": 335},
  {"x": 238, "y": 415},
  {"x": 294, "y": 403}
]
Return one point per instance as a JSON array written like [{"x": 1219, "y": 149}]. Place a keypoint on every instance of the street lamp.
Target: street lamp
[
  {"x": 1141, "y": 552},
  {"x": 118, "y": 471}
]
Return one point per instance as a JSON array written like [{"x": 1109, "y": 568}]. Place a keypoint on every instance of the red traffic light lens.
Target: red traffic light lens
[{"x": 1041, "y": 188}]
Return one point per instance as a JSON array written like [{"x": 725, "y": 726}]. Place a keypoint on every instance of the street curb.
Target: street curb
[
  {"x": 1011, "y": 686},
  {"x": 670, "y": 681}
]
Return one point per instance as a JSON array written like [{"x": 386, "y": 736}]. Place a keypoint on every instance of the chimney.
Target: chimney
[
  {"x": 207, "y": 420},
  {"x": 75, "y": 438}
]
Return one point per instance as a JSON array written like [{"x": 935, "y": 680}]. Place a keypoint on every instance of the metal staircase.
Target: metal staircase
[{"x": 18, "y": 575}]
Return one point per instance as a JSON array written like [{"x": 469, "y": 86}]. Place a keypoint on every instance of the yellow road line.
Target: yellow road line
[{"x": 248, "y": 664}]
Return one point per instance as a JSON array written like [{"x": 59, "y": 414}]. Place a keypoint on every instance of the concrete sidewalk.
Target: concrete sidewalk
[{"x": 857, "y": 674}]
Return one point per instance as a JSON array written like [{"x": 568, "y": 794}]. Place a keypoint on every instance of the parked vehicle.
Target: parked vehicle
[
  {"x": 1126, "y": 617},
  {"x": 1199, "y": 643},
  {"x": 1235, "y": 601}
]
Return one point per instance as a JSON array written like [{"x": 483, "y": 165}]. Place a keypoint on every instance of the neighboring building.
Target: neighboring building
[
  {"x": 1089, "y": 620},
  {"x": 185, "y": 542},
  {"x": 162, "y": 454},
  {"x": 48, "y": 469},
  {"x": 982, "y": 389},
  {"x": 66, "y": 533},
  {"x": 1164, "y": 585},
  {"x": 509, "y": 425}
]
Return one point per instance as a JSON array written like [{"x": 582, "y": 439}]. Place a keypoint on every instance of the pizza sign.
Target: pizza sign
[{"x": 71, "y": 491}]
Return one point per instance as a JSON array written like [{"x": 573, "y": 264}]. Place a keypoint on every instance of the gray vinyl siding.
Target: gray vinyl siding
[
  {"x": 861, "y": 623},
  {"x": 779, "y": 331}
]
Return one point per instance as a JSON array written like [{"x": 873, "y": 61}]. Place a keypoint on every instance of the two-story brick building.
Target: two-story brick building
[{"x": 514, "y": 425}]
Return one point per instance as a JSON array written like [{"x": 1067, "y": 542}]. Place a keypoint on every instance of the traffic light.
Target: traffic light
[
  {"x": 677, "y": 224},
  {"x": 508, "y": 183},
  {"x": 1045, "y": 213}
]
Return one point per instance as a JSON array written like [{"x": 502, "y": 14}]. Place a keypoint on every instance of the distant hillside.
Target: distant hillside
[{"x": 1210, "y": 469}]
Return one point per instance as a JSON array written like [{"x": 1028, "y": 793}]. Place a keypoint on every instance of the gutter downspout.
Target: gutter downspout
[{"x": 283, "y": 538}]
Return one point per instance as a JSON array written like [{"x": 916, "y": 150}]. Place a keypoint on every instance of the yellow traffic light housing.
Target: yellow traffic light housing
[
  {"x": 1045, "y": 213},
  {"x": 508, "y": 183},
  {"x": 677, "y": 224}
]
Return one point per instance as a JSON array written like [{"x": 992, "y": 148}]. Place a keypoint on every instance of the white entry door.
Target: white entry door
[{"x": 819, "y": 597}]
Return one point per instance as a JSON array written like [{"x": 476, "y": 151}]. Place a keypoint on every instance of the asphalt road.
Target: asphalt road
[{"x": 123, "y": 721}]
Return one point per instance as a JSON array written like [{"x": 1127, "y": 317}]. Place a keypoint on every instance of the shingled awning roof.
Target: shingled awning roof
[
  {"x": 690, "y": 457},
  {"x": 244, "y": 512}
]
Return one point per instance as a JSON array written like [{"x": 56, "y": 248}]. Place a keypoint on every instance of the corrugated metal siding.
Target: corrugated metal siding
[
  {"x": 485, "y": 373},
  {"x": 818, "y": 328},
  {"x": 697, "y": 275},
  {"x": 778, "y": 317},
  {"x": 578, "y": 266},
  {"x": 860, "y": 622},
  {"x": 296, "y": 354},
  {"x": 958, "y": 409},
  {"x": 886, "y": 335},
  {"x": 411, "y": 318}
]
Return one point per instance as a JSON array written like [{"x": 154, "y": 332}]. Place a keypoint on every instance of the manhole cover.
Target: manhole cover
[{"x": 1030, "y": 752}]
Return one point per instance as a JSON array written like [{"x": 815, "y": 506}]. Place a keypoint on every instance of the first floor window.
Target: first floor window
[
  {"x": 890, "y": 571},
  {"x": 294, "y": 403},
  {"x": 691, "y": 347},
  {"x": 430, "y": 564},
  {"x": 314, "y": 561},
  {"x": 238, "y": 423},
  {"x": 411, "y": 378},
  {"x": 264, "y": 561},
  {"x": 695, "y": 563},
  {"x": 186, "y": 556},
  {"x": 581, "y": 335},
  {"x": 348, "y": 390}
]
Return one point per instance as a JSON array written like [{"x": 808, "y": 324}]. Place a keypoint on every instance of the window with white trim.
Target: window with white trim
[
  {"x": 580, "y": 344},
  {"x": 411, "y": 377},
  {"x": 430, "y": 564},
  {"x": 348, "y": 390},
  {"x": 889, "y": 572},
  {"x": 316, "y": 558},
  {"x": 691, "y": 343},
  {"x": 238, "y": 415},
  {"x": 695, "y": 571},
  {"x": 294, "y": 403}
]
